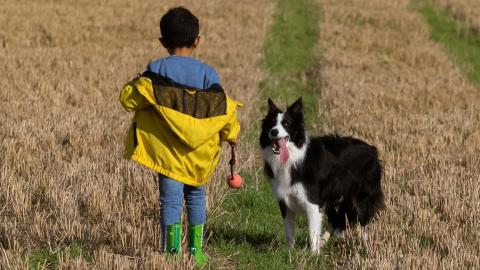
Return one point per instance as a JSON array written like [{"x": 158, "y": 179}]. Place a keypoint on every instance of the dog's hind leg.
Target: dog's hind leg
[
  {"x": 336, "y": 215},
  {"x": 335, "y": 221},
  {"x": 368, "y": 206},
  {"x": 334, "y": 218},
  {"x": 289, "y": 223}
]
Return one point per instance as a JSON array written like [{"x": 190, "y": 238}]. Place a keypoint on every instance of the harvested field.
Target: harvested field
[
  {"x": 62, "y": 176},
  {"x": 468, "y": 10},
  {"x": 64, "y": 185},
  {"x": 385, "y": 81}
]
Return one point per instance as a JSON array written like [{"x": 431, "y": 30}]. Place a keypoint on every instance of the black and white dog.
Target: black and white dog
[{"x": 339, "y": 175}]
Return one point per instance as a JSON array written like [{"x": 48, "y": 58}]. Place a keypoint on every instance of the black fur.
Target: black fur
[
  {"x": 268, "y": 170},
  {"x": 293, "y": 123},
  {"x": 341, "y": 174},
  {"x": 283, "y": 208}
]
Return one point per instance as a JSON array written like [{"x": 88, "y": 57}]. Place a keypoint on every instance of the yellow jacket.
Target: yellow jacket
[{"x": 176, "y": 130}]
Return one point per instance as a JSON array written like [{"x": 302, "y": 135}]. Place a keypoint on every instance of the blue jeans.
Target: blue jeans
[{"x": 172, "y": 193}]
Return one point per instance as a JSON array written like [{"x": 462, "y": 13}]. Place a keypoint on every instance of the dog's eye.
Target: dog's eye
[{"x": 285, "y": 123}]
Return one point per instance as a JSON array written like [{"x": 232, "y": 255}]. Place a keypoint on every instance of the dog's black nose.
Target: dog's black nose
[{"x": 274, "y": 132}]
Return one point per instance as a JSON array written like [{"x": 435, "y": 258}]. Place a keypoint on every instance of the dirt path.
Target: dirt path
[
  {"x": 385, "y": 81},
  {"x": 62, "y": 175}
]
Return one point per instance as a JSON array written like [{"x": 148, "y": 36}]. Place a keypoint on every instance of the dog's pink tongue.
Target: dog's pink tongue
[{"x": 282, "y": 143}]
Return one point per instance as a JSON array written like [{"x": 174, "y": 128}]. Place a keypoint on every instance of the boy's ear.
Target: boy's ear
[
  {"x": 197, "y": 42},
  {"x": 162, "y": 41},
  {"x": 271, "y": 106},
  {"x": 296, "y": 107}
]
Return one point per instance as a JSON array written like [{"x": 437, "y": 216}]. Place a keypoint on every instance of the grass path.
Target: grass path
[
  {"x": 386, "y": 82},
  {"x": 249, "y": 233},
  {"x": 292, "y": 56},
  {"x": 456, "y": 36}
]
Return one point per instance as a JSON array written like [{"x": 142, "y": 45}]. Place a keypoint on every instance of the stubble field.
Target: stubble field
[
  {"x": 384, "y": 80},
  {"x": 62, "y": 175},
  {"x": 64, "y": 183}
]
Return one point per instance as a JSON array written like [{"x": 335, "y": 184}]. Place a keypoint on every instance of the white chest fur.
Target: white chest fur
[{"x": 294, "y": 196}]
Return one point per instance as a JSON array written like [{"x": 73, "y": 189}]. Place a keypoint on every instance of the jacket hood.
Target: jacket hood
[{"x": 194, "y": 115}]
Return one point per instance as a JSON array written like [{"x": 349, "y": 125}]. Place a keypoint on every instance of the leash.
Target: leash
[
  {"x": 234, "y": 180},
  {"x": 232, "y": 161}
]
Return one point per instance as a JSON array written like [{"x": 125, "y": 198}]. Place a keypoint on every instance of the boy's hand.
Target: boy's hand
[{"x": 233, "y": 143}]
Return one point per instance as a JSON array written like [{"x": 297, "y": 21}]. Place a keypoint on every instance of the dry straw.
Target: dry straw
[
  {"x": 385, "y": 81},
  {"x": 62, "y": 176}
]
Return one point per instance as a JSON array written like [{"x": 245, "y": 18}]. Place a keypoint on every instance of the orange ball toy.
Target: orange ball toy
[{"x": 234, "y": 180}]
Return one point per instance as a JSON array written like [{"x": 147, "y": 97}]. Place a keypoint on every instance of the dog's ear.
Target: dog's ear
[
  {"x": 296, "y": 107},
  {"x": 271, "y": 106}
]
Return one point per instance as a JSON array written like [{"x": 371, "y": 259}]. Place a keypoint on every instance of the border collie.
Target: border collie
[{"x": 339, "y": 175}]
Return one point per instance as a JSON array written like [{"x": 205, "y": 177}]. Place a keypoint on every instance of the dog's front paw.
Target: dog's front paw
[{"x": 316, "y": 244}]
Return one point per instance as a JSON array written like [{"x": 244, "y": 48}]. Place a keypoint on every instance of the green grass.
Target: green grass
[
  {"x": 249, "y": 234},
  {"x": 292, "y": 38},
  {"x": 456, "y": 37},
  {"x": 49, "y": 259},
  {"x": 290, "y": 55}
]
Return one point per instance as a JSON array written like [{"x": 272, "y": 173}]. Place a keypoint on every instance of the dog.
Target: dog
[{"x": 333, "y": 175}]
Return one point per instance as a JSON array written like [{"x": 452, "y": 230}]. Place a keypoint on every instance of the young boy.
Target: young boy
[{"x": 181, "y": 116}]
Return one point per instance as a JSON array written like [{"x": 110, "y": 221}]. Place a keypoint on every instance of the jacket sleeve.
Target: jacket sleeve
[
  {"x": 131, "y": 98},
  {"x": 232, "y": 128}
]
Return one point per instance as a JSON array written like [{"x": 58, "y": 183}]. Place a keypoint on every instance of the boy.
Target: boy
[{"x": 181, "y": 116}]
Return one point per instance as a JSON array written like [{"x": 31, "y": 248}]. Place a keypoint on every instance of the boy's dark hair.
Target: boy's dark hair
[{"x": 179, "y": 28}]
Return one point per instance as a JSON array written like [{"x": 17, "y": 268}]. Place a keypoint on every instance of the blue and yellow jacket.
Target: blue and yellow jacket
[{"x": 177, "y": 130}]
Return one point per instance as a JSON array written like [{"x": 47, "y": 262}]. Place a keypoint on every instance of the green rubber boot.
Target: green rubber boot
[
  {"x": 173, "y": 239},
  {"x": 195, "y": 241}
]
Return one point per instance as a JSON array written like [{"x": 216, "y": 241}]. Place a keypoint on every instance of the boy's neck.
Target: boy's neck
[{"x": 183, "y": 51}]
